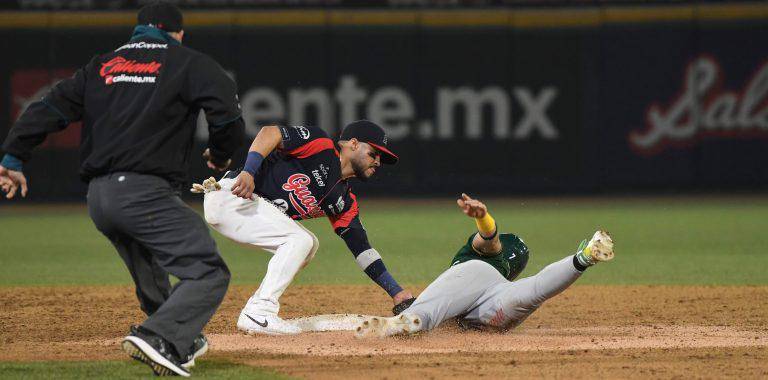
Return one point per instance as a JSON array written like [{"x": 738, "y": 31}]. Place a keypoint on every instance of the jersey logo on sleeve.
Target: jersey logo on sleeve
[
  {"x": 300, "y": 196},
  {"x": 286, "y": 135},
  {"x": 303, "y": 131},
  {"x": 340, "y": 205}
]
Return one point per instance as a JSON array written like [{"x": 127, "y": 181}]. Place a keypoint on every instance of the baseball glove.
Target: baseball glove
[
  {"x": 399, "y": 308},
  {"x": 208, "y": 185}
]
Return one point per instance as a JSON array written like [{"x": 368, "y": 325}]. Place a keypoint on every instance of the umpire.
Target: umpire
[{"x": 139, "y": 105}]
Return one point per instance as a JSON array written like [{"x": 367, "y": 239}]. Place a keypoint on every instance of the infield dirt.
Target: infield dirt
[{"x": 588, "y": 331}]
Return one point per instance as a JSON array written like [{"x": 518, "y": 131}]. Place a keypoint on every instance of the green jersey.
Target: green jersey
[{"x": 510, "y": 262}]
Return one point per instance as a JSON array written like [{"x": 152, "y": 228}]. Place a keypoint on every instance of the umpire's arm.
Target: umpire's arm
[
  {"x": 62, "y": 105},
  {"x": 209, "y": 88}
]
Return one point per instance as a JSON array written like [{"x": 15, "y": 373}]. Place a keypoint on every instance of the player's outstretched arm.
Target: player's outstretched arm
[
  {"x": 370, "y": 261},
  {"x": 486, "y": 240}
]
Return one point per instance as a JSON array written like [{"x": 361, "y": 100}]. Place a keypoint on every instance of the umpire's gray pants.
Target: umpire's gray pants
[{"x": 157, "y": 234}]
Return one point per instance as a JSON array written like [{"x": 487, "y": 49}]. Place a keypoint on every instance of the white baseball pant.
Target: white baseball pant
[{"x": 259, "y": 223}]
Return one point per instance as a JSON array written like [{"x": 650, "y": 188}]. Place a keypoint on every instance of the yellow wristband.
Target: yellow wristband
[{"x": 486, "y": 225}]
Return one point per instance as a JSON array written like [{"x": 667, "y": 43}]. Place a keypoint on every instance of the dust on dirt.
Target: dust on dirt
[{"x": 588, "y": 331}]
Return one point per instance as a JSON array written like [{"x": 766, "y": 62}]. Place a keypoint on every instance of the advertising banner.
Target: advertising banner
[{"x": 486, "y": 109}]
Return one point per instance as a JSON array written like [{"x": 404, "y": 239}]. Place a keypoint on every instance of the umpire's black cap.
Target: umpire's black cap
[
  {"x": 371, "y": 134},
  {"x": 162, "y": 15}
]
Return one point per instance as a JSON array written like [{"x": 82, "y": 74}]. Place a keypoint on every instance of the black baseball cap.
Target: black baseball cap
[
  {"x": 162, "y": 15},
  {"x": 371, "y": 134}
]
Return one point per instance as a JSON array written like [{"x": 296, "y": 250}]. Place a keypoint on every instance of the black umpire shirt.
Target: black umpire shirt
[{"x": 139, "y": 105}]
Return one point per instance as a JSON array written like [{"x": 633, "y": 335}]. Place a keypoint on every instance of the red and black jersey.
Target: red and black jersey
[{"x": 303, "y": 178}]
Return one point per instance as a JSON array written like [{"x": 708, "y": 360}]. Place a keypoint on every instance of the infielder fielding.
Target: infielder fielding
[
  {"x": 139, "y": 106},
  {"x": 478, "y": 289},
  {"x": 302, "y": 177}
]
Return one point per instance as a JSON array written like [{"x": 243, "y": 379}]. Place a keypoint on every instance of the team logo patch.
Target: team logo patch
[
  {"x": 303, "y": 131},
  {"x": 301, "y": 198},
  {"x": 119, "y": 69},
  {"x": 340, "y": 205}
]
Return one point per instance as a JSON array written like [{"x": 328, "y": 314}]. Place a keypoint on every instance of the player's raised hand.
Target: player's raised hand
[
  {"x": 471, "y": 207},
  {"x": 243, "y": 186},
  {"x": 11, "y": 180}
]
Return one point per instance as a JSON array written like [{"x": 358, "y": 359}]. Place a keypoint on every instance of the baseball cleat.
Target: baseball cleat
[
  {"x": 153, "y": 351},
  {"x": 271, "y": 324},
  {"x": 388, "y": 326},
  {"x": 599, "y": 248},
  {"x": 199, "y": 348}
]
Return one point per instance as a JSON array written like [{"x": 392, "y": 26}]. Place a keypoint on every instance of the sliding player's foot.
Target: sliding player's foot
[
  {"x": 388, "y": 326},
  {"x": 599, "y": 248}
]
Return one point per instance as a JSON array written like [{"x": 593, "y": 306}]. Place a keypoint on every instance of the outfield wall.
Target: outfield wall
[{"x": 512, "y": 101}]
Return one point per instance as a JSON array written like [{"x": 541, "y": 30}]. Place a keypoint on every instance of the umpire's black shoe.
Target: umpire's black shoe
[
  {"x": 199, "y": 348},
  {"x": 153, "y": 351}
]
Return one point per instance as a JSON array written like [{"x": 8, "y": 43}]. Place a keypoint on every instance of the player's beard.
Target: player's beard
[{"x": 360, "y": 169}]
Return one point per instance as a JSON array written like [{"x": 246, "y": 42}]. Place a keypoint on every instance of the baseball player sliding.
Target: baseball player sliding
[
  {"x": 479, "y": 289},
  {"x": 295, "y": 173}
]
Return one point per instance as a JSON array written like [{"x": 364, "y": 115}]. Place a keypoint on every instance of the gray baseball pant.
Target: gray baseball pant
[
  {"x": 157, "y": 234},
  {"x": 477, "y": 292}
]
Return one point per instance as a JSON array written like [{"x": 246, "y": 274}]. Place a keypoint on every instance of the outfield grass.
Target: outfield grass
[
  {"x": 658, "y": 241},
  {"x": 127, "y": 369}
]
